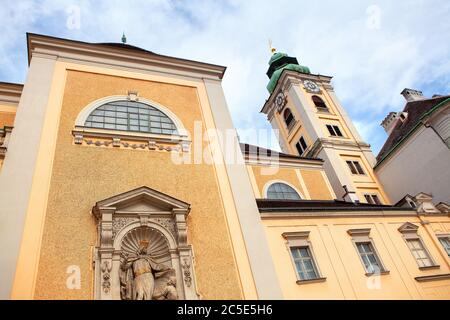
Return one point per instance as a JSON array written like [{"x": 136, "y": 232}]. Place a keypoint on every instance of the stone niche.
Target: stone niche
[{"x": 146, "y": 225}]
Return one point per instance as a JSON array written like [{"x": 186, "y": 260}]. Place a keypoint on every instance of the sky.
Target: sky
[{"x": 373, "y": 49}]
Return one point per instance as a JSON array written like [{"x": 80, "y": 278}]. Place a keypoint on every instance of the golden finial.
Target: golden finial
[{"x": 272, "y": 49}]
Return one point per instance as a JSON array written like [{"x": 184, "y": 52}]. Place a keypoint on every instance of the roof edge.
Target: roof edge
[
  {"x": 118, "y": 53},
  {"x": 410, "y": 132}
]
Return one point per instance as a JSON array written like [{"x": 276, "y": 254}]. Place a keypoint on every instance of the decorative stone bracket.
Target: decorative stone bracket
[
  {"x": 106, "y": 138},
  {"x": 5, "y": 134}
]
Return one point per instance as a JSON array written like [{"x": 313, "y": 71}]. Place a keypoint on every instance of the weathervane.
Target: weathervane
[{"x": 271, "y": 48}]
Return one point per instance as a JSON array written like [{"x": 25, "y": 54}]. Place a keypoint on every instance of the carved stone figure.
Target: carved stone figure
[
  {"x": 169, "y": 292},
  {"x": 140, "y": 275}
]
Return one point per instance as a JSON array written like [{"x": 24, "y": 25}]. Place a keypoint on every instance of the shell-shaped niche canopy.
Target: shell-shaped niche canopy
[{"x": 158, "y": 247}]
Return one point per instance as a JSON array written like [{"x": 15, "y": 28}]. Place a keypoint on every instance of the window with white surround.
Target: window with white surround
[
  {"x": 302, "y": 257},
  {"x": 289, "y": 118},
  {"x": 128, "y": 115},
  {"x": 368, "y": 256},
  {"x": 372, "y": 199},
  {"x": 416, "y": 246},
  {"x": 319, "y": 103},
  {"x": 367, "y": 252},
  {"x": 282, "y": 191},
  {"x": 130, "y": 122},
  {"x": 355, "y": 167},
  {"x": 334, "y": 130},
  {"x": 301, "y": 146},
  {"x": 445, "y": 241}
]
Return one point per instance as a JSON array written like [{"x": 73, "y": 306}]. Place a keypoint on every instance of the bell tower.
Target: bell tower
[{"x": 311, "y": 122}]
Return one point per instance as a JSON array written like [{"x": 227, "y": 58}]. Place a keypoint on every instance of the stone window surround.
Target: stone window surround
[
  {"x": 443, "y": 236},
  {"x": 363, "y": 236},
  {"x": 301, "y": 239},
  {"x": 181, "y": 141},
  {"x": 409, "y": 231}
]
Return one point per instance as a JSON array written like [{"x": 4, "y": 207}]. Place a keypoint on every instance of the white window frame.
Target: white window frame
[
  {"x": 371, "y": 197},
  {"x": 269, "y": 183},
  {"x": 334, "y": 130},
  {"x": 301, "y": 146},
  {"x": 352, "y": 163},
  {"x": 181, "y": 139},
  {"x": 300, "y": 239},
  {"x": 444, "y": 236},
  {"x": 363, "y": 236},
  {"x": 409, "y": 231},
  {"x": 84, "y": 114}
]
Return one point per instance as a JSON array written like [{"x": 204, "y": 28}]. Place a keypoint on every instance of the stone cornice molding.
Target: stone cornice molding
[
  {"x": 10, "y": 93},
  {"x": 322, "y": 143},
  {"x": 317, "y": 213},
  {"x": 64, "y": 49},
  {"x": 296, "y": 235},
  {"x": 300, "y": 163}
]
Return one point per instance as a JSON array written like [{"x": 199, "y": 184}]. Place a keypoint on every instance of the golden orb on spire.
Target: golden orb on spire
[{"x": 272, "y": 49}]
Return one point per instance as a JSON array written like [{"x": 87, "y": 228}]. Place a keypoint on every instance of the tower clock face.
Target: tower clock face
[
  {"x": 311, "y": 86},
  {"x": 280, "y": 101}
]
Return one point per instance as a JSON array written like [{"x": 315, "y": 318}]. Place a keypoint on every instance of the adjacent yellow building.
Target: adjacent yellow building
[{"x": 121, "y": 166}]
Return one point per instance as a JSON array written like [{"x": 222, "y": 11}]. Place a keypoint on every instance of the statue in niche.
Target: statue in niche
[
  {"x": 169, "y": 292},
  {"x": 141, "y": 276}
]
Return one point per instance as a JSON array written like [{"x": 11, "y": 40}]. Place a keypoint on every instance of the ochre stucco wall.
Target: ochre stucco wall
[
  {"x": 284, "y": 174},
  {"x": 317, "y": 187},
  {"x": 338, "y": 261},
  {"x": 83, "y": 175},
  {"x": 313, "y": 180}
]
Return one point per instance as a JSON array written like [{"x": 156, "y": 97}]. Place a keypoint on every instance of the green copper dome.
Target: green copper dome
[
  {"x": 280, "y": 62},
  {"x": 276, "y": 56}
]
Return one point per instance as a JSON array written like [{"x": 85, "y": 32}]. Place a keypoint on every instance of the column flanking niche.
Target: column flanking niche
[{"x": 142, "y": 251}]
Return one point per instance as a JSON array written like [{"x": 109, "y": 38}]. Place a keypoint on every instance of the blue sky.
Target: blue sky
[{"x": 373, "y": 49}]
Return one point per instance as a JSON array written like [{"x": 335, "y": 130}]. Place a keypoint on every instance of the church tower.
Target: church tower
[{"x": 311, "y": 122}]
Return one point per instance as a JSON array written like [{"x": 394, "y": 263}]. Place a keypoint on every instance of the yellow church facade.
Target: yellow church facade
[{"x": 112, "y": 156}]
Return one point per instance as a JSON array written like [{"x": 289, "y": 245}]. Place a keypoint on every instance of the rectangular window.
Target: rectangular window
[
  {"x": 367, "y": 252},
  {"x": 419, "y": 252},
  {"x": 445, "y": 241},
  {"x": 369, "y": 257},
  {"x": 304, "y": 263},
  {"x": 355, "y": 167},
  {"x": 334, "y": 130},
  {"x": 372, "y": 199},
  {"x": 302, "y": 257},
  {"x": 301, "y": 146}
]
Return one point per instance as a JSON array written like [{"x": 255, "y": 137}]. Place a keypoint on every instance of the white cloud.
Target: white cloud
[{"x": 370, "y": 65}]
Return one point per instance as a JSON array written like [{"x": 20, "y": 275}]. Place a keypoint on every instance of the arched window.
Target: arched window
[
  {"x": 319, "y": 103},
  {"x": 131, "y": 116},
  {"x": 288, "y": 117},
  {"x": 282, "y": 191}
]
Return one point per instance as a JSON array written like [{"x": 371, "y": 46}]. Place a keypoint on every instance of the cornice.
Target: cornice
[
  {"x": 300, "y": 163},
  {"x": 64, "y": 49},
  {"x": 327, "y": 213},
  {"x": 322, "y": 143},
  {"x": 10, "y": 93}
]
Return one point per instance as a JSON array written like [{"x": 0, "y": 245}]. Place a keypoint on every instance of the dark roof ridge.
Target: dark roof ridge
[{"x": 247, "y": 147}]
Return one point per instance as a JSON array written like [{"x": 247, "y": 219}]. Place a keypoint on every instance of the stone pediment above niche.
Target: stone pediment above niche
[
  {"x": 143, "y": 226},
  {"x": 140, "y": 206},
  {"x": 143, "y": 199}
]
